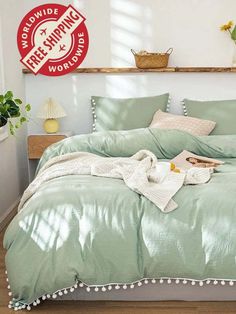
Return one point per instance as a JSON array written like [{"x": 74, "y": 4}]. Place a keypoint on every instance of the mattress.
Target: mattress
[{"x": 158, "y": 292}]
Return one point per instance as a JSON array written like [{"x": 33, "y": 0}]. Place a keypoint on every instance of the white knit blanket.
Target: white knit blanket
[{"x": 142, "y": 173}]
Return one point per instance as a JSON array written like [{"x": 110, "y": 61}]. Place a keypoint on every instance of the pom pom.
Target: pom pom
[
  {"x": 81, "y": 285},
  {"x": 23, "y": 306},
  {"x": 109, "y": 288},
  {"x": 177, "y": 281},
  {"x": 48, "y": 296},
  {"x": 88, "y": 289},
  {"x": 72, "y": 289},
  {"x": 96, "y": 289},
  {"x": 28, "y": 308},
  {"x": 231, "y": 283},
  {"x": 201, "y": 283},
  {"x": 15, "y": 308},
  {"x": 125, "y": 287},
  {"x": 6, "y": 272},
  {"x": 146, "y": 281},
  {"x": 8, "y": 287},
  {"x": 185, "y": 282},
  {"x": 117, "y": 287},
  {"x": 35, "y": 303},
  {"x": 44, "y": 297},
  {"x": 10, "y": 294},
  {"x": 132, "y": 286},
  {"x": 9, "y": 306},
  {"x": 65, "y": 291},
  {"x": 7, "y": 280},
  {"x": 169, "y": 281},
  {"x": 38, "y": 301},
  {"x": 193, "y": 283},
  {"x": 161, "y": 280},
  {"x": 139, "y": 283},
  {"x": 153, "y": 280},
  {"x": 208, "y": 282},
  {"x": 222, "y": 282},
  {"x": 60, "y": 293},
  {"x": 54, "y": 296},
  {"x": 104, "y": 289},
  {"x": 76, "y": 286},
  {"x": 215, "y": 282}
]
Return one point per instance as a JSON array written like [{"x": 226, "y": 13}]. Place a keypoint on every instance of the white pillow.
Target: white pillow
[{"x": 164, "y": 120}]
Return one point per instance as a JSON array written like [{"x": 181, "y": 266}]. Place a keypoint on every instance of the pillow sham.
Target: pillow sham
[
  {"x": 127, "y": 113},
  {"x": 193, "y": 126},
  {"x": 223, "y": 112}
]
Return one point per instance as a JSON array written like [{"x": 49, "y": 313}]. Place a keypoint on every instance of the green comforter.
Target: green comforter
[{"x": 96, "y": 230}]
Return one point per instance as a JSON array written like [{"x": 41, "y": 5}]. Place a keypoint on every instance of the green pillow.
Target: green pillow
[
  {"x": 127, "y": 113},
  {"x": 223, "y": 112}
]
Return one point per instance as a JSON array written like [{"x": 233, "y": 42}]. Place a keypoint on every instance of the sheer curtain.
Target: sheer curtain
[
  {"x": 1, "y": 61},
  {"x": 3, "y": 131}
]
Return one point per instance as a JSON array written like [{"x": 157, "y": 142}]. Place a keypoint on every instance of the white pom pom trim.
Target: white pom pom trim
[
  {"x": 94, "y": 114},
  {"x": 17, "y": 305}
]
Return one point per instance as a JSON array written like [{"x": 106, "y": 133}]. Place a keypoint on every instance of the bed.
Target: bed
[{"x": 84, "y": 235}]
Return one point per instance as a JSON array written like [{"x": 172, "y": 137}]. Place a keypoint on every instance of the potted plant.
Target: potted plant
[
  {"x": 11, "y": 107},
  {"x": 231, "y": 29}
]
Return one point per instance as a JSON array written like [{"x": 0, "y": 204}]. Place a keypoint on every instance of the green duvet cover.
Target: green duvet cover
[{"x": 97, "y": 231}]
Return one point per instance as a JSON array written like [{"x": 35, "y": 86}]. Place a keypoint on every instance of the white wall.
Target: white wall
[
  {"x": 13, "y": 157},
  {"x": 191, "y": 27}
]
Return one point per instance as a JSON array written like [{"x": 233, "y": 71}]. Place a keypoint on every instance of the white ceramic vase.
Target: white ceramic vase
[
  {"x": 234, "y": 57},
  {"x": 3, "y": 133}
]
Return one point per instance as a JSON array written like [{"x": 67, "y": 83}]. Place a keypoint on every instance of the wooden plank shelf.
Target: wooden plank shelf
[{"x": 160, "y": 70}]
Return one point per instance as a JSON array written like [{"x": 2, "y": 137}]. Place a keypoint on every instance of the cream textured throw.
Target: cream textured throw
[{"x": 142, "y": 173}]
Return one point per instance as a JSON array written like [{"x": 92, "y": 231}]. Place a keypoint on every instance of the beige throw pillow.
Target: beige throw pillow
[{"x": 191, "y": 125}]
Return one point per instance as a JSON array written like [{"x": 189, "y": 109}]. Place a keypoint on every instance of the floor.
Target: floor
[{"x": 51, "y": 307}]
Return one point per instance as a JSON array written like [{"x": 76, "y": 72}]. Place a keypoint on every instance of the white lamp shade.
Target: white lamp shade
[{"x": 51, "y": 110}]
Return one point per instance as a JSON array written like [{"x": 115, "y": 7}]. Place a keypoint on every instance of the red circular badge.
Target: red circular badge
[{"x": 53, "y": 39}]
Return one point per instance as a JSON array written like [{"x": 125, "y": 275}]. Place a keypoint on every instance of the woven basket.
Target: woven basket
[{"x": 152, "y": 60}]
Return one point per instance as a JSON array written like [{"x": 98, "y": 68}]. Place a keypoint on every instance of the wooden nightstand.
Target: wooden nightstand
[{"x": 37, "y": 143}]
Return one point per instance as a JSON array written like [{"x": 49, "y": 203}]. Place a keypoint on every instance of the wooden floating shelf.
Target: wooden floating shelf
[{"x": 161, "y": 70}]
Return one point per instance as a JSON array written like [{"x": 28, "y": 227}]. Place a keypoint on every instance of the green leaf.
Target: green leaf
[
  {"x": 8, "y": 95},
  {"x": 233, "y": 34},
  {"x": 1, "y": 98},
  {"x": 18, "y": 101},
  {"x": 11, "y": 128},
  {"x": 12, "y": 103},
  {"x": 22, "y": 120},
  {"x": 28, "y": 107}
]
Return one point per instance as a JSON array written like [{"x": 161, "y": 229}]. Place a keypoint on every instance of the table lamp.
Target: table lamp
[{"x": 51, "y": 111}]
